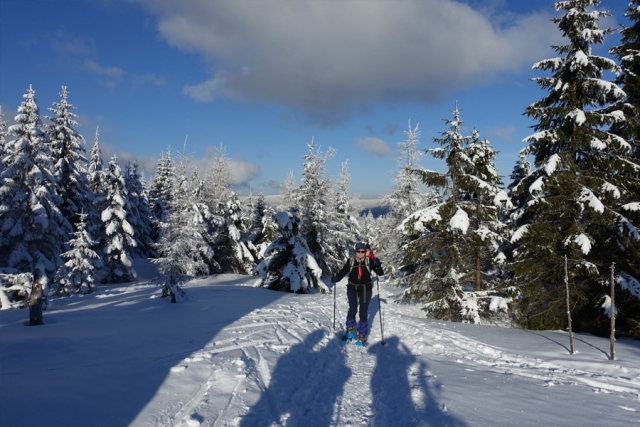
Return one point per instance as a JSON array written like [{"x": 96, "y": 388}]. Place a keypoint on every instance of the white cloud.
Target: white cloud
[
  {"x": 505, "y": 133},
  {"x": 65, "y": 43},
  {"x": 329, "y": 57},
  {"x": 374, "y": 146},
  {"x": 109, "y": 76},
  {"x": 242, "y": 171},
  {"x": 152, "y": 79}
]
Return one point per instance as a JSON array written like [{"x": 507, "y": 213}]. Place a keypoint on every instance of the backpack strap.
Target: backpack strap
[{"x": 366, "y": 264}]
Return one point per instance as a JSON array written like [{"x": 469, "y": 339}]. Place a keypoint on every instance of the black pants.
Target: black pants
[{"x": 359, "y": 303}]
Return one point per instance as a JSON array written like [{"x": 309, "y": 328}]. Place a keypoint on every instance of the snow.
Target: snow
[
  {"x": 607, "y": 187},
  {"x": 580, "y": 60},
  {"x": 521, "y": 231},
  {"x": 606, "y": 305},
  {"x": 552, "y": 164},
  {"x": 537, "y": 185},
  {"x": 582, "y": 241},
  {"x": 498, "y": 303},
  {"x": 229, "y": 354},
  {"x": 577, "y": 116},
  {"x": 422, "y": 217},
  {"x": 460, "y": 221},
  {"x": 594, "y": 203}
]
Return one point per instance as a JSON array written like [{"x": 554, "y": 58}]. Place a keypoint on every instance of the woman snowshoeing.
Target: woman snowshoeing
[{"x": 359, "y": 289}]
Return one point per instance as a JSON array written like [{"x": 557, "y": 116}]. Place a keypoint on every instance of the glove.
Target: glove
[
  {"x": 375, "y": 263},
  {"x": 334, "y": 279}
]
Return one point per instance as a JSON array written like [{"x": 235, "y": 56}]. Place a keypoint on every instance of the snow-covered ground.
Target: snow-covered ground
[{"x": 233, "y": 355}]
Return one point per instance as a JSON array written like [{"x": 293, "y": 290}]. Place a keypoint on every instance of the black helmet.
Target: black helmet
[{"x": 361, "y": 246}]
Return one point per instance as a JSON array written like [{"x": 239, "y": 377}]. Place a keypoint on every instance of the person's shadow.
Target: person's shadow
[
  {"x": 297, "y": 379},
  {"x": 392, "y": 398}
]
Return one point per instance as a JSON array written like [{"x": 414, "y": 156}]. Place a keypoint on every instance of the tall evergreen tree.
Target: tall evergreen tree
[
  {"x": 344, "y": 232},
  {"x": 218, "y": 181},
  {"x": 315, "y": 201},
  {"x": 231, "y": 251},
  {"x": 454, "y": 241},
  {"x": 119, "y": 233},
  {"x": 288, "y": 264},
  {"x": 160, "y": 191},
  {"x": 405, "y": 197},
  {"x": 290, "y": 194},
  {"x": 628, "y": 53},
  {"x": 95, "y": 169},
  {"x": 32, "y": 228},
  {"x": 256, "y": 239},
  {"x": 3, "y": 139},
  {"x": 69, "y": 159},
  {"x": 575, "y": 203},
  {"x": 139, "y": 215},
  {"x": 97, "y": 186},
  {"x": 183, "y": 250},
  {"x": 77, "y": 274}
]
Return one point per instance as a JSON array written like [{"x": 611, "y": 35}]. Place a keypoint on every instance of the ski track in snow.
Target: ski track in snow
[{"x": 278, "y": 363}]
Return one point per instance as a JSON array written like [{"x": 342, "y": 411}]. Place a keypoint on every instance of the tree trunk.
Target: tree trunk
[
  {"x": 566, "y": 282},
  {"x": 612, "y": 314},
  {"x": 478, "y": 281},
  {"x": 35, "y": 305}
]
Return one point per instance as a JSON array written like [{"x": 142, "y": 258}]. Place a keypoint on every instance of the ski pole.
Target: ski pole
[
  {"x": 380, "y": 310},
  {"x": 335, "y": 285}
]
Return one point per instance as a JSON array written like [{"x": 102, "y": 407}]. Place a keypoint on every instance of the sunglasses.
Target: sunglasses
[{"x": 360, "y": 252}]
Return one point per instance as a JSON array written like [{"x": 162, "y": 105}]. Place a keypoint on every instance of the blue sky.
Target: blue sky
[{"x": 264, "y": 78}]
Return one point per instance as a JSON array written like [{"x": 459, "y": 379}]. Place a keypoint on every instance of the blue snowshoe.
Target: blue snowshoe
[
  {"x": 350, "y": 335},
  {"x": 362, "y": 341}
]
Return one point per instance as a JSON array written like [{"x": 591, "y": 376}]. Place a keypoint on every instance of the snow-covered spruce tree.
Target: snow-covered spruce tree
[
  {"x": 67, "y": 149},
  {"x": 263, "y": 229},
  {"x": 231, "y": 251},
  {"x": 315, "y": 202},
  {"x": 489, "y": 204},
  {"x": 628, "y": 53},
  {"x": 454, "y": 242},
  {"x": 95, "y": 168},
  {"x": 97, "y": 186},
  {"x": 290, "y": 194},
  {"x": 139, "y": 215},
  {"x": 288, "y": 264},
  {"x": 218, "y": 181},
  {"x": 76, "y": 276},
  {"x": 268, "y": 233},
  {"x": 3, "y": 139},
  {"x": 226, "y": 238},
  {"x": 250, "y": 212},
  {"x": 406, "y": 197},
  {"x": 521, "y": 169},
  {"x": 32, "y": 228},
  {"x": 345, "y": 232},
  {"x": 160, "y": 190},
  {"x": 257, "y": 206},
  {"x": 183, "y": 250},
  {"x": 576, "y": 201},
  {"x": 119, "y": 233}
]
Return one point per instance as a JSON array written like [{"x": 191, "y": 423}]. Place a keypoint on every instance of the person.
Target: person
[{"x": 359, "y": 289}]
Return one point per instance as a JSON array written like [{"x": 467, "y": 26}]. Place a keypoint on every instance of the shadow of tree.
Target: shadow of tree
[{"x": 116, "y": 371}]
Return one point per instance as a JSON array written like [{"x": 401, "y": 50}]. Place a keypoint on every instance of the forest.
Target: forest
[{"x": 553, "y": 246}]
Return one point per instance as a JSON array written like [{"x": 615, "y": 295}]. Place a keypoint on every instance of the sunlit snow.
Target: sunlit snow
[{"x": 229, "y": 354}]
